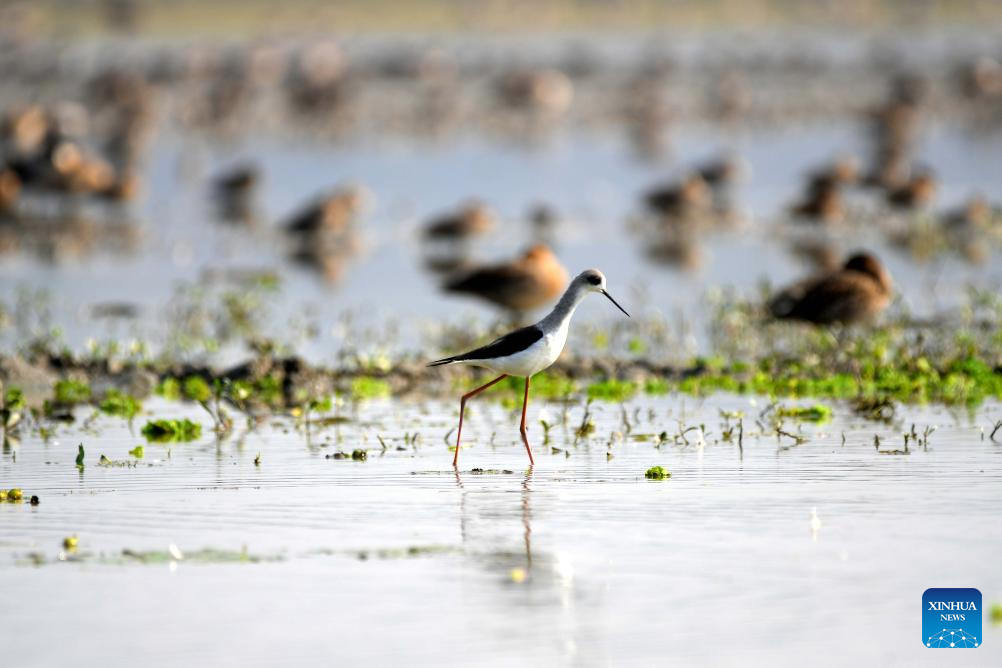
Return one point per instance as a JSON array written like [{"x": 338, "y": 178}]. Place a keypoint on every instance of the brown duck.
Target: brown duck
[
  {"x": 531, "y": 281},
  {"x": 857, "y": 292},
  {"x": 472, "y": 219}
]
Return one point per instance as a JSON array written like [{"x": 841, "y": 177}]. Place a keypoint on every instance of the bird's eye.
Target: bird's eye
[{"x": 594, "y": 280}]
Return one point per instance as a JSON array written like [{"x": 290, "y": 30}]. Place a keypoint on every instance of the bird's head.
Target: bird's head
[{"x": 592, "y": 280}]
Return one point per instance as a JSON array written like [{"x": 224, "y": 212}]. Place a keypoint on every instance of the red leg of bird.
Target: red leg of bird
[
  {"x": 522, "y": 429},
  {"x": 462, "y": 409}
]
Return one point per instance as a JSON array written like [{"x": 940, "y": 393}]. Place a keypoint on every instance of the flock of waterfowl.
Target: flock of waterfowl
[{"x": 69, "y": 167}]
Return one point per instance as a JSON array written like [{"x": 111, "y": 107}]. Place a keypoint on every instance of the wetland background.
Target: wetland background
[{"x": 226, "y": 230}]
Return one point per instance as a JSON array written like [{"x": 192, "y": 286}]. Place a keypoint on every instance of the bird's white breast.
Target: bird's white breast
[{"x": 533, "y": 359}]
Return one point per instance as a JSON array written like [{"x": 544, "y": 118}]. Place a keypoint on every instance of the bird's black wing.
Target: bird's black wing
[{"x": 509, "y": 344}]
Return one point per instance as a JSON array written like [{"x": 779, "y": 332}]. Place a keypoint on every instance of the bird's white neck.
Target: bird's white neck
[{"x": 562, "y": 312}]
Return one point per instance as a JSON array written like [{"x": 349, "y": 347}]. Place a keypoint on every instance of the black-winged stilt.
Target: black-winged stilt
[{"x": 528, "y": 350}]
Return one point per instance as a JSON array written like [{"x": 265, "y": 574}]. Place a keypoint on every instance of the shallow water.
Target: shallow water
[
  {"x": 592, "y": 179},
  {"x": 580, "y": 561}
]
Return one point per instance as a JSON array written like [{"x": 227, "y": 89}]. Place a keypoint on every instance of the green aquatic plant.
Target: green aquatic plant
[
  {"x": 359, "y": 455},
  {"x": 137, "y": 452},
  {"x": 80, "y": 456},
  {"x": 196, "y": 388},
  {"x": 366, "y": 387},
  {"x": 612, "y": 390},
  {"x": 813, "y": 413},
  {"x": 13, "y": 495},
  {"x": 120, "y": 404},
  {"x": 69, "y": 392},
  {"x": 657, "y": 473},
  {"x": 162, "y": 431},
  {"x": 11, "y": 407},
  {"x": 169, "y": 388}
]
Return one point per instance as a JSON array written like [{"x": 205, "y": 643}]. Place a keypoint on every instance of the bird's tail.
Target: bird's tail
[{"x": 441, "y": 362}]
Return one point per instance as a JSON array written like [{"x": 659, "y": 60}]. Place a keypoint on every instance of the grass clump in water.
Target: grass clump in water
[
  {"x": 612, "y": 390},
  {"x": 814, "y": 413},
  {"x": 70, "y": 392},
  {"x": 120, "y": 404},
  {"x": 162, "y": 431},
  {"x": 365, "y": 387},
  {"x": 657, "y": 473}
]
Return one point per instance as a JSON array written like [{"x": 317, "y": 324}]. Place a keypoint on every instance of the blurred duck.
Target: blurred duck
[
  {"x": 976, "y": 213},
  {"x": 855, "y": 293},
  {"x": 547, "y": 91},
  {"x": 823, "y": 203},
  {"x": 918, "y": 192},
  {"x": 233, "y": 191},
  {"x": 676, "y": 199},
  {"x": 723, "y": 172},
  {"x": 331, "y": 212},
  {"x": 531, "y": 281},
  {"x": 472, "y": 219},
  {"x": 10, "y": 188},
  {"x": 238, "y": 182},
  {"x": 843, "y": 171}
]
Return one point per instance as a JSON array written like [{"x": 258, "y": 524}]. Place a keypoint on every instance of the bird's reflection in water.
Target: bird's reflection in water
[
  {"x": 489, "y": 519},
  {"x": 516, "y": 565}
]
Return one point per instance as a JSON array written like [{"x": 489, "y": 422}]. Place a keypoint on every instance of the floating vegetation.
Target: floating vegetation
[
  {"x": 365, "y": 387},
  {"x": 162, "y": 431},
  {"x": 169, "y": 388},
  {"x": 407, "y": 552},
  {"x": 71, "y": 392},
  {"x": 203, "y": 556},
  {"x": 879, "y": 409},
  {"x": 359, "y": 455},
  {"x": 612, "y": 390},
  {"x": 657, "y": 473},
  {"x": 137, "y": 452},
  {"x": 14, "y": 495},
  {"x": 11, "y": 407},
  {"x": 814, "y": 413},
  {"x": 113, "y": 463},
  {"x": 80, "y": 456},
  {"x": 120, "y": 404}
]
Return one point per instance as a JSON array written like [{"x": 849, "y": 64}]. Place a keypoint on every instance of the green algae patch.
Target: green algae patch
[
  {"x": 70, "y": 392},
  {"x": 814, "y": 413},
  {"x": 612, "y": 390},
  {"x": 365, "y": 387},
  {"x": 120, "y": 404},
  {"x": 196, "y": 388},
  {"x": 169, "y": 388},
  {"x": 164, "y": 431},
  {"x": 657, "y": 473}
]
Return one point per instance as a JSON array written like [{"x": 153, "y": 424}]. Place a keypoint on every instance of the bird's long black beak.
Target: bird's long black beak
[{"x": 614, "y": 302}]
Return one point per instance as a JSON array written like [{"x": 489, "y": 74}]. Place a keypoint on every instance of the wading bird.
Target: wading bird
[{"x": 527, "y": 351}]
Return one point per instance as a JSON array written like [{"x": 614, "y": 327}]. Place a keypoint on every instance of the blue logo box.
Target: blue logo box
[{"x": 951, "y": 618}]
